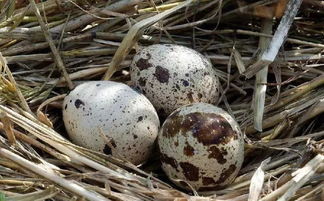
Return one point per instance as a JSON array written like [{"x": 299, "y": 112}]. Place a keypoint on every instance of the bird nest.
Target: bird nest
[{"x": 269, "y": 58}]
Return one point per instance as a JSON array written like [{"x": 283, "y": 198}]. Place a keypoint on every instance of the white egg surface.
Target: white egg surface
[
  {"x": 112, "y": 118},
  {"x": 171, "y": 76},
  {"x": 202, "y": 145}
]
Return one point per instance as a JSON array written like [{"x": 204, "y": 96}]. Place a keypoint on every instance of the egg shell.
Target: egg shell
[
  {"x": 202, "y": 145},
  {"x": 171, "y": 76},
  {"x": 126, "y": 117}
]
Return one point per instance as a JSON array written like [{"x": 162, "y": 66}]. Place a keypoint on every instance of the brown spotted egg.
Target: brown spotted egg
[
  {"x": 112, "y": 118},
  {"x": 201, "y": 145},
  {"x": 171, "y": 76}
]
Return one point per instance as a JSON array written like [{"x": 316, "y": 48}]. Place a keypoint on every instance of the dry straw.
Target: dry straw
[{"x": 269, "y": 58}]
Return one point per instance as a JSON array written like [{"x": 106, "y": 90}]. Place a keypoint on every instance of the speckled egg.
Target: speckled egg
[
  {"x": 113, "y": 118},
  {"x": 201, "y": 145},
  {"x": 171, "y": 76}
]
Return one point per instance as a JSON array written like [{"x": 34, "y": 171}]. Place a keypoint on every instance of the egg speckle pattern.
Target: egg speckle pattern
[
  {"x": 171, "y": 76},
  {"x": 125, "y": 117},
  {"x": 202, "y": 145}
]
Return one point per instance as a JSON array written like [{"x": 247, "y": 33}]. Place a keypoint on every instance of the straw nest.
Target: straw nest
[{"x": 270, "y": 64}]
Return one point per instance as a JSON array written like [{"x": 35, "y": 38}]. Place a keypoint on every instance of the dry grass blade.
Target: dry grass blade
[
  {"x": 88, "y": 18},
  {"x": 257, "y": 182},
  {"x": 239, "y": 62},
  {"x": 301, "y": 176},
  {"x": 277, "y": 40},
  {"x": 41, "y": 116},
  {"x": 35, "y": 196},
  {"x": 5, "y": 68},
  {"x": 57, "y": 57},
  {"x": 134, "y": 34},
  {"x": 8, "y": 128},
  {"x": 312, "y": 192},
  {"x": 71, "y": 186},
  {"x": 260, "y": 78},
  {"x": 297, "y": 92}
]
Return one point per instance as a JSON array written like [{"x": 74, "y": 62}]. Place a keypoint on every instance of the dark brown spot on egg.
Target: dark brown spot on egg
[
  {"x": 162, "y": 74},
  {"x": 226, "y": 174},
  {"x": 190, "y": 97},
  {"x": 168, "y": 160},
  {"x": 171, "y": 126},
  {"x": 135, "y": 136},
  {"x": 185, "y": 83},
  {"x": 65, "y": 107},
  {"x": 78, "y": 103},
  {"x": 143, "y": 64},
  {"x": 188, "y": 122},
  {"x": 217, "y": 154},
  {"x": 107, "y": 150},
  {"x": 208, "y": 181},
  {"x": 113, "y": 143},
  {"x": 97, "y": 85},
  {"x": 200, "y": 96},
  {"x": 207, "y": 128},
  {"x": 188, "y": 150},
  {"x": 210, "y": 128},
  {"x": 140, "y": 118},
  {"x": 142, "y": 81},
  {"x": 190, "y": 171}
]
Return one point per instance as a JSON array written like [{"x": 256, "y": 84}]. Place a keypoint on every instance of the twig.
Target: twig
[
  {"x": 8, "y": 128},
  {"x": 133, "y": 35},
  {"x": 239, "y": 61},
  {"x": 319, "y": 188},
  {"x": 41, "y": 116},
  {"x": 196, "y": 23},
  {"x": 312, "y": 112},
  {"x": 297, "y": 92},
  {"x": 71, "y": 186},
  {"x": 277, "y": 118},
  {"x": 56, "y": 54},
  {"x": 23, "y": 102},
  {"x": 253, "y": 33},
  {"x": 87, "y": 19},
  {"x": 36, "y": 143},
  {"x": 281, "y": 33},
  {"x": 300, "y": 177}
]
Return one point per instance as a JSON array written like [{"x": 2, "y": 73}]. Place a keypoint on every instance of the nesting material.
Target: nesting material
[{"x": 52, "y": 46}]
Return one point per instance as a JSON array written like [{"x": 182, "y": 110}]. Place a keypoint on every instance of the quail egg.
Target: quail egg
[
  {"x": 201, "y": 145},
  {"x": 171, "y": 76},
  {"x": 112, "y": 118}
]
